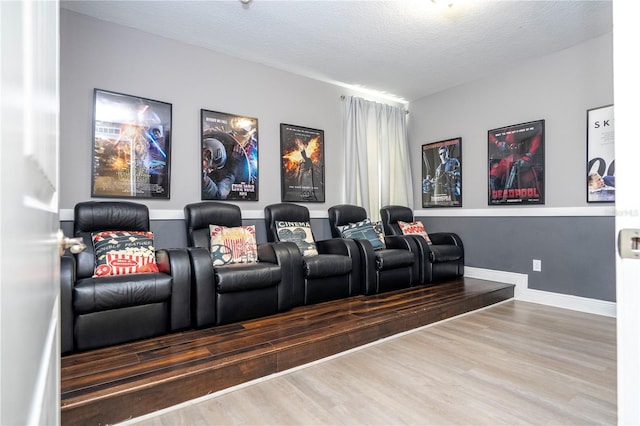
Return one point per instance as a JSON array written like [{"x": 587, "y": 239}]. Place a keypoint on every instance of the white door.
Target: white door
[
  {"x": 29, "y": 262},
  {"x": 627, "y": 154}
]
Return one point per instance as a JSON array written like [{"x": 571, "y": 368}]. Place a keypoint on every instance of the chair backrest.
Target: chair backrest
[
  {"x": 390, "y": 215},
  {"x": 97, "y": 216},
  {"x": 344, "y": 214},
  {"x": 287, "y": 212},
  {"x": 198, "y": 217}
]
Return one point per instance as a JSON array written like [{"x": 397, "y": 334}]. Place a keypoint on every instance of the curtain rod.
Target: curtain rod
[{"x": 342, "y": 97}]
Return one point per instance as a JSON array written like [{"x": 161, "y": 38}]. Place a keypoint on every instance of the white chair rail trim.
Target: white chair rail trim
[{"x": 496, "y": 211}]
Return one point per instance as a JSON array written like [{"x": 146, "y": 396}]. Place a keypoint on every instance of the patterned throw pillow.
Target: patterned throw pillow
[
  {"x": 123, "y": 252},
  {"x": 299, "y": 233},
  {"x": 233, "y": 245},
  {"x": 379, "y": 228},
  {"x": 414, "y": 228},
  {"x": 362, "y": 230}
]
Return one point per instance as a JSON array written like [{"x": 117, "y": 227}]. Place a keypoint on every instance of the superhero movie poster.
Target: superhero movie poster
[
  {"x": 442, "y": 174},
  {"x": 516, "y": 164},
  {"x": 601, "y": 180},
  {"x": 229, "y": 156},
  {"x": 302, "y": 155},
  {"x": 131, "y": 146}
]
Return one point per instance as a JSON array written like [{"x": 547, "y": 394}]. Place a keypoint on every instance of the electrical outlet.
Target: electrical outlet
[{"x": 537, "y": 265}]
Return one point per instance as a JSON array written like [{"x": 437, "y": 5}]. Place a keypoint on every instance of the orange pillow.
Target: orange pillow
[{"x": 414, "y": 228}]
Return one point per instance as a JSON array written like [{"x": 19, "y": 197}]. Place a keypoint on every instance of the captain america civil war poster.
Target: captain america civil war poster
[
  {"x": 229, "y": 156},
  {"x": 516, "y": 164}
]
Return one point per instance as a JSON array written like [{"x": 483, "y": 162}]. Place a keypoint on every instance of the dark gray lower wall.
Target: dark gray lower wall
[{"x": 577, "y": 253}]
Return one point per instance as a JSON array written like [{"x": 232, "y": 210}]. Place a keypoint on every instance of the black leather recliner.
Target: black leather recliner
[
  {"x": 98, "y": 312},
  {"x": 442, "y": 260},
  {"x": 238, "y": 291},
  {"x": 390, "y": 268},
  {"x": 334, "y": 273}
]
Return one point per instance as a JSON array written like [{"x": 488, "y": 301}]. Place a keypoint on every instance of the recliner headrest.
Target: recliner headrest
[
  {"x": 201, "y": 215},
  {"x": 94, "y": 216},
  {"x": 390, "y": 216},
  {"x": 283, "y": 211},
  {"x": 344, "y": 214}
]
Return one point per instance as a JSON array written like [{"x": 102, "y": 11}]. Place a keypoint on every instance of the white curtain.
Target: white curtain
[{"x": 377, "y": 166}]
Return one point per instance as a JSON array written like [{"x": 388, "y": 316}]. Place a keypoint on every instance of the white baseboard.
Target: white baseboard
[{"x": 524, "y": 293}]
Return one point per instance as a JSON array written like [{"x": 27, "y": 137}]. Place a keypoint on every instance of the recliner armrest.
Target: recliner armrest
[
  {"x": 176, "y": 263},
  {"x": 445, "y": 238},
  {"x": 291, "y": 287},
  {"x": 67, "y": 280},
  {"x": 203, "y": 297},
  {"x": 334, "y": 246},
  {"x": 366, "y": 263},
  {"x": 345, "y": 247},
  {"x": 399, "y": 242}
]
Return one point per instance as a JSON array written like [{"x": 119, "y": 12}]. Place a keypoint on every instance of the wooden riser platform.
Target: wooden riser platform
[{"x": 117, "y": 383}]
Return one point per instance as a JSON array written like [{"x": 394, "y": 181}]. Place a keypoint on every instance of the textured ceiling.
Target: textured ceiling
[{"x": 406, "y": 49}]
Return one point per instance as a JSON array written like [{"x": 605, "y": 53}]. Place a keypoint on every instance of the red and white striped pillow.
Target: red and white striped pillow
[{"x": 123, "y": 252}]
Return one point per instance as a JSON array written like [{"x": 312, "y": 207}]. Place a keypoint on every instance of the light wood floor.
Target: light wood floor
[{"x": 514, "y": 363}]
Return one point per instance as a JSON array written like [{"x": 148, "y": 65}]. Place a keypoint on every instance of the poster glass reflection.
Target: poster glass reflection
[
  {"x": 442, "y": 173},
  {"x": 131, "y": 146},
  {"x": 229, "y": 156},
  {"x": 302, "y": 167},
  {"x": 516, "y": 164}
]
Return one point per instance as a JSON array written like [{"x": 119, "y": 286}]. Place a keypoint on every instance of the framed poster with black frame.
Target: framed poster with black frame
[
  {"x": 442, "y": 173},
  {"x": 229, "y": 156},
  {"x": 131, "y": 155},
  {"x": 516, "y": 164},
  {"x": 302, "y": 167},
  {"x": 601, "y": 183}
]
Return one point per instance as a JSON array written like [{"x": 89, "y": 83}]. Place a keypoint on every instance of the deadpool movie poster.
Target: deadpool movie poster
[
  {"x": 229, "y": 156},
  {"x": 302, "y": 155},
  {"x": 516, "y": 164}
]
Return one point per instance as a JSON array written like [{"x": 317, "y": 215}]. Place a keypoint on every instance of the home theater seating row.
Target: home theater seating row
[{"x": 198, "y": 286}]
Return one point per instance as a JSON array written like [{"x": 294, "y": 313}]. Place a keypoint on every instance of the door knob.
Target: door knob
[
  {"x": 629, "y": 243},
  {"x": 75, "y": 245}
]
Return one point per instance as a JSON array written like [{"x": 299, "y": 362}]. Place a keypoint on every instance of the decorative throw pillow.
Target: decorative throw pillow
[
  {"x": 414, "y": 228},
  {"x": 123, "y": 252},
  {"x": 379, "y": 228},
  {"x": 233, "y": 245},
  {"x": 299, "y": 233},
  {"x": 362, "y": 230}
]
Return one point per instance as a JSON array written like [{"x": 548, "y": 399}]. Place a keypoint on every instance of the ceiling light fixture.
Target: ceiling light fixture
[{"x": 447, "y": 3}]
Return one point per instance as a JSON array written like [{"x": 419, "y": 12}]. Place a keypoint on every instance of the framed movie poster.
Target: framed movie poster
[
  {"x": 516, "y": 164},
  {"x": 302, "y": 169},
  {"x": 601, "y": 182},
  {"x": 229, "y": 156},
  {"x": 131, "y": 146},
  {"x": 442, "y": 173}
]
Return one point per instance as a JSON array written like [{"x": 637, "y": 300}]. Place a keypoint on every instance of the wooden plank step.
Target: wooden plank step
[{"x": 116, "y": 383}]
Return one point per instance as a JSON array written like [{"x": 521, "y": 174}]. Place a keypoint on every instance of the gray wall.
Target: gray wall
[
  {"x": 558, "y": 88},
  {"x": 577, "y": 249},
  {"x": 96, "y": 54},
  {"x": 576, "y": 252}
]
